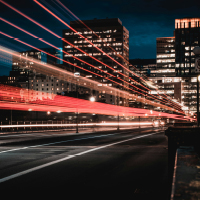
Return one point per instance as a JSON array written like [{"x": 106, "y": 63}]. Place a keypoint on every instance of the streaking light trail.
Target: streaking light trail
[
  {"x": 11, "y": 7},
  {"x": 87, "y": 124},
  {"x": 20, "y": 99},
  {"x": 171, "y": 102},
  {"x": 62, "y": 59},
  {"x": 83, "y": 81},
  {"x": 92, "y": 44},
  {"x": 63, "y": 6}
]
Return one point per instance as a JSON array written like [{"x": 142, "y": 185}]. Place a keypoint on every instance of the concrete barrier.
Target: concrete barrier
[{"x": 179, "y": 136}]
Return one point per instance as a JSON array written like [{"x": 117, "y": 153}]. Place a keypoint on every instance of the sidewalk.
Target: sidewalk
[{"x": 186, "y": 182}]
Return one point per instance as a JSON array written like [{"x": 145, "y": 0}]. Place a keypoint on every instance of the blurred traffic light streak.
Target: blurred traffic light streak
[
  {"x": 86, "y": 39},
  {"x": 161, "y": 98},
  {"x": 80, "y": 21},
  {"x": 65, "y": 75},
  {"x": 111, "y": 75},
  {"x": 13, "y": 98}
]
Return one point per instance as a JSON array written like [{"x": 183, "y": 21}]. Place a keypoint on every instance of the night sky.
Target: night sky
[{"x": 145, "y": 19}]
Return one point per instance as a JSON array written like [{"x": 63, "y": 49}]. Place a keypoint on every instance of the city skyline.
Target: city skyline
[
  {"x": 145, "y": 23},
  {"x": 100, "y": 97}
]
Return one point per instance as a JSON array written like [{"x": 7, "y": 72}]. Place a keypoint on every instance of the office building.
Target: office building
[
  {"x": 22, "y": 75},
  {"x": 175, "y": 62},
  {"x": 111, "y": 37}
]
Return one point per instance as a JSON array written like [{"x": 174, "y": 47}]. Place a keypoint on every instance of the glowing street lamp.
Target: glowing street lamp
[
  {"x": 92, "y": 99},
  {"x": 76, "y": 74}
]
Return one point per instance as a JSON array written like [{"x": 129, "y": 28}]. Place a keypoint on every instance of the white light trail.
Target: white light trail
[{"x": 67, "y": 125}]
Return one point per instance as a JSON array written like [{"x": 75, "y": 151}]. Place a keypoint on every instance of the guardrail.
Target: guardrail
[{"x": 63, "y": 125}]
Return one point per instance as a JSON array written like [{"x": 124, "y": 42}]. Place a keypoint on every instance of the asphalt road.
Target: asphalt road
[{"x": 127, "y": 164}]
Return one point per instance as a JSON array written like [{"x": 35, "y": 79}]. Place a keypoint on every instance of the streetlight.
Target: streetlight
[
  {"x": 76, "y": 74},
  {"x": 92, "y": 99},
  {"x": 11, "y": 116},
  {"x": 118, "y": 99}
]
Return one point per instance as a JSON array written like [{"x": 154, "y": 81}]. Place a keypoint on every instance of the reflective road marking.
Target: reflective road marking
[{"x": 69, "y": 157}]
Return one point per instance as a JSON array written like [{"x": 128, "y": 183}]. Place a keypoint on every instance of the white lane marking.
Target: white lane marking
[
  {"x": 34, "y": 169},
  {"x": 55, "y": 143},
  {"x": 68, "y": 157},
  {"x": 108, "y": 145}
]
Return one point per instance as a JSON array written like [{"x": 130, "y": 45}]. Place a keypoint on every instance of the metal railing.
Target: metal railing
[{"x": 31, "y": 125}]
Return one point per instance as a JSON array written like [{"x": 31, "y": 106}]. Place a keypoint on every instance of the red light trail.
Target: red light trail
[
  {"x": 57, "y": 57},
  {"x": 171, "y": 102},
  {"x": 18, "y": 27},
  {"x": 22, "y": 99},
  {"x": 94, "y": 32},
  {"x": 6, "y": 34},
  {"x": 90, "y": 42},
  {"x": 66, "y": 61},
  {"x": 58, "y": 71},
  {"x": 31, "y": 59},
  {"x": 11, "y": 7},
  {"x": 79, "y": 49}
]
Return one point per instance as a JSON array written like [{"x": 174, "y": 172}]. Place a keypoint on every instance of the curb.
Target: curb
[{"x": 186, "y": 180}]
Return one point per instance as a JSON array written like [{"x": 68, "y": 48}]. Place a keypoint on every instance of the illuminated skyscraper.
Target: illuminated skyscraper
[
  {"x": 175, "y": 62},
  {"x": 166, "y": 55},
  {"x": 187, "y": 34},
  {"x": 112, "y": 38}
]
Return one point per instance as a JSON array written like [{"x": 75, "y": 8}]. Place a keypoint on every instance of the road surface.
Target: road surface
[{"x": 130, "y": 164}]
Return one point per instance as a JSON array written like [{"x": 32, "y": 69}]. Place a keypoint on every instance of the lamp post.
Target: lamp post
[
  {"x": 11, "y": 116},
  {"x": 92, "y": 99},
  {"x": 196, "y": 51},
  {"x": 76, "y": 74},
  {"x": 118, "y": 98},
  {"x": 139, "y": 121}
]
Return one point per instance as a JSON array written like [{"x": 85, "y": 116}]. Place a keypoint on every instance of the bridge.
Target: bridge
[{"x": 58, "y": 139}]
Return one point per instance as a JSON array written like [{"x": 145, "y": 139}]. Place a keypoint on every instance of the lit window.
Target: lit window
[
  {"x": 187, "y": 48},
  {"x": 187, "y": 54}
]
